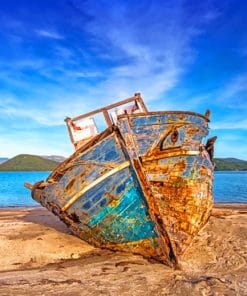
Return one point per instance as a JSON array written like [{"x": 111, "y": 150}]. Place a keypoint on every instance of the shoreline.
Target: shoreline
[
  {"x": 217, "y": 204},
  {"x": 40, "y": 256}
]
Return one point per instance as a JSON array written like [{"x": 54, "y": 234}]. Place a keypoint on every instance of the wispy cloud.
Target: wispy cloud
[
  {"x": 47, "y": 112},
  {"x": 229, "y": 124},
  {"x": 148, "y": 53},
  {"x": 231, "y": 148},
  {"x": 211, "y": 15},
  {"x": 34, "y": 142},
  {"x": 155, "y": 52},
  {"x": 49, "y": 34},
  {"x": 234, "y": 93},
  {"x": 76, "y": 59}
]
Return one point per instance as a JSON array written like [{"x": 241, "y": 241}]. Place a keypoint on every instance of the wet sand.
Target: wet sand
[{"x": 39, "y": 256}]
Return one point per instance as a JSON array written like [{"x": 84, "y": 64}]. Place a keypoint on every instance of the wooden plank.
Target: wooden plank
[
  {"x": 28, "y": 185},
  {"x": 123, "y": 102},
  {"x": 107, "y": 117},
  {"x": 94, "y": 183},
  {"x": 56, "y": 174},
  {"x": 170, "y": 153},
  {"x": 140, "y": 101},
  {"x": 69, "y": 129}
]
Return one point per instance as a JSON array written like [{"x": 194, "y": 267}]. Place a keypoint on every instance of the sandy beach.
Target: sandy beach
[{"x": 39, "y": 256}]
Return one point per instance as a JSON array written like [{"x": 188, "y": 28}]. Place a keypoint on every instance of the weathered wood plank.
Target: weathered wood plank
[{"x": 94, "y": 183}]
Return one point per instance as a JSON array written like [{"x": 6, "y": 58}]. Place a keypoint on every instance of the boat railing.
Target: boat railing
[{"x": 82, "y": 128}]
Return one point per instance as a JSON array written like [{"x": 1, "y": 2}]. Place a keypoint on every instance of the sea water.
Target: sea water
[
  {"x": 228, "y": 187},
  {"x": 12, "y": 190}
]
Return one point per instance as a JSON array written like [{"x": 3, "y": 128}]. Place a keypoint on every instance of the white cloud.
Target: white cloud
[
  {"x": 18, "y": 142},
  {"x": 233, "y": 94},
  {"x": 235, "y": 149},
  {"x": 154, "y": 42},
  {"x": 47, "y": 112},
  {"x": 49, "y": 34},
  {"x": 229, "y": 124},
  {"x": 146, "y": 49},
  {"x": 148, "y": 53},
  {"x": 211, "y": 15}
]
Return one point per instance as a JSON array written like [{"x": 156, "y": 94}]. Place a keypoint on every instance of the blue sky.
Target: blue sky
[{"x": 63, "y": 58}]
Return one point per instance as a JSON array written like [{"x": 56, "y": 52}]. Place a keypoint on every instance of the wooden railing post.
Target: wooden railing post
[
  {"x": 140, "y": 101},
  {"x": 107, "y": 117},
  {"x": 67, "y": 119}
]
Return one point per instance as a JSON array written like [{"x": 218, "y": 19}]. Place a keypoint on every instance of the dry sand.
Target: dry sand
[{"x": 39, "y": 256}]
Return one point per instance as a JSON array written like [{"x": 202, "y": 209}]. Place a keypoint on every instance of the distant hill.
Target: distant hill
[
  {"x": 230, "y": 164},
  {"x": 27, "y": 162},
  {"x": 3, "y": 159},
  {"x": 231, "y": 159},
  {"x": 56, "y": 158}
]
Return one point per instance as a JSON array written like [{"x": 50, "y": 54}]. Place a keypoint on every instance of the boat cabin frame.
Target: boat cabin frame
[{"x": 70, "y": 122}]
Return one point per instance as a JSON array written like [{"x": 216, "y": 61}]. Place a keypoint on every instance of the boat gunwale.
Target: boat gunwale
[
  {"x": 171, "y": 152},
  {"x": 83, "y": 149},
  {"x": 163, "y": 113},
  {"x": 107, "y": 132}
]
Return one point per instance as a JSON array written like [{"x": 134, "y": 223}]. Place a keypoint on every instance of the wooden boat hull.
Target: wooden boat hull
[
  {"x": 176, "y": 170},
  {"x": 97, "y": 194},
  {"x": 144, "y": 187}
]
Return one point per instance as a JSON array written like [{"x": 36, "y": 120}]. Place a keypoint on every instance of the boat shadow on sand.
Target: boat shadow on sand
[{"x": 43, "y": 217}]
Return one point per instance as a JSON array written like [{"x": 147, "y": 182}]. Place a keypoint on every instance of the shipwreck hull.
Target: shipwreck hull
[
  {"x": 143, "y": 186},
  {"x": 176, "y": 170},
  {"x": 183, "y": 197},
  {"x": 97, "y": 194}
]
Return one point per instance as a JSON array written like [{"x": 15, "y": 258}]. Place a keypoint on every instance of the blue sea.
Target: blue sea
[{"x": 228, "y": 187}]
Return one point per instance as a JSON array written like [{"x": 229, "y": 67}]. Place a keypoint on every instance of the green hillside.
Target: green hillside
[
  {"x": 230, "y": 164},
  {"x": 27, "y": 162}
]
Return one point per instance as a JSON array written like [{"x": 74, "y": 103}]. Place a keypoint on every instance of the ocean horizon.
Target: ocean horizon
[{"x": 229, "y": 187}]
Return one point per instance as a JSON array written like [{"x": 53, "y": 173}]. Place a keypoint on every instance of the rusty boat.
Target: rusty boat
[{"x": 143, "y": 185}]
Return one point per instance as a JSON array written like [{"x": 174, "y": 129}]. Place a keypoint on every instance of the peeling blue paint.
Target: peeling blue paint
[
  {"x": 123, "y": 222},
  {"x": 168, "y": 118},
  {"x": 148, "y": 131},
  {"x": 106, "y": 151}
]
